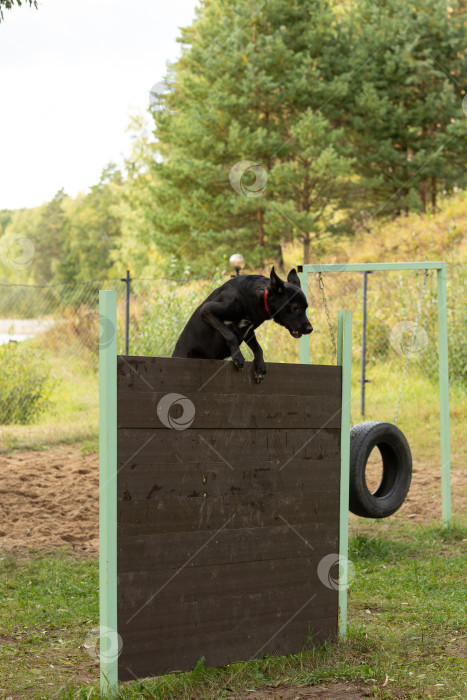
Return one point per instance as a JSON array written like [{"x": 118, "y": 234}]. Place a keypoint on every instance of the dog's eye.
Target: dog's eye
[{"x": 295, "y": 308}]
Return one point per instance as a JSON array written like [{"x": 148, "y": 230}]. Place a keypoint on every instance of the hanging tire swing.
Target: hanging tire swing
[
  {"x": 394, "y": 486},
  {"x": 396, "y": 457}
]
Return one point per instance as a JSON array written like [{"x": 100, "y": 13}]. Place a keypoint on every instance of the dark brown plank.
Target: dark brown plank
[
  {"x": 213, "y": 615},
  {"x": 282, "y": 446},
  {"x": 158, "y": 657},
  {"x": 146, "y": 481},
  {"x": 154, "y": 409},
  {"x": 173, "y": 550},
  {"x": 185, "y": 584},
  {"x": 217, "y": 376},
  {"x": 161, "y": 515}
]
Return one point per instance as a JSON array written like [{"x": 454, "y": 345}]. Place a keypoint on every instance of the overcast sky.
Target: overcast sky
[{"x": 70, "y": 74}]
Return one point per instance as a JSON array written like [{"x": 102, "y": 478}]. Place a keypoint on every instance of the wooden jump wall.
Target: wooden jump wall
[{"x": 221, "y": 526}]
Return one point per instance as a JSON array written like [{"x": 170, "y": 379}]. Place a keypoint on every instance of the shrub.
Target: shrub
[
  {"x": 25, "y": 390},
  {"x": 164, "y": 315}
]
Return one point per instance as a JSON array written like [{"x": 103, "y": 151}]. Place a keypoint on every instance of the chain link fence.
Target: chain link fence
[{"x": 49, "y": 343}]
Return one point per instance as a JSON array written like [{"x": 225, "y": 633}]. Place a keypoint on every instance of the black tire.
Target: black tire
[{"x": 397, "y": 469}]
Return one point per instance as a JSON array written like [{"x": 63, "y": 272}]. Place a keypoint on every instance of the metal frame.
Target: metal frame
[
  {"x": 371, "y": 267},
  {"x": 440, "y": 267},
  {"x": 108, "y": 491},
  {"x": 108, "y": 444}
]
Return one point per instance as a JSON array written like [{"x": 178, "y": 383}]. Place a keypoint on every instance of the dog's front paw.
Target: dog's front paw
[
  {"x": 238, "y": 361},
  {"x": 260, "y": 372}
]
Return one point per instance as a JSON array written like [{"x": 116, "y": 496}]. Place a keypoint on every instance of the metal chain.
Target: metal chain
[
  {"x": 331, "y": 329},
  {"x": 412, "y": 343},
  {"x": 325, "y": 302}
]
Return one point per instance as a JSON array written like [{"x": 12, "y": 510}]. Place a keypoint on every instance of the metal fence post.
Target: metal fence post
[
  {"x": 363, "y": 379},
  {"x": 127, "y": 280}
]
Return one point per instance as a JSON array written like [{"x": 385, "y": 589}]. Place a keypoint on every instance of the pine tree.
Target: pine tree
[
  {"x": 237, "y": 137},
  {"x": 308, "y": 189},
  {"x": 399, "y": 99}
]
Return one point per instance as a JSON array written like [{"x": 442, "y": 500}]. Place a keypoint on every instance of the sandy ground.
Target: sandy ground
[{"x": 49, "y": 499}]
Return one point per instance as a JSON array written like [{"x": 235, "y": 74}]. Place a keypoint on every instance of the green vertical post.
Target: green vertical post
[
  {"x": 340, "y": 336},
  {"x": 344, "y": 358},
  {"x": 304, "y": 341},
  {"x": 444, "y": 397},
  {"x": 109, "y": 644}
]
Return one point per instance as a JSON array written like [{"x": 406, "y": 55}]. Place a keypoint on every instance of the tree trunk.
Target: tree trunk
[
  {"x": 306, "y": 248},
  {"x": 259, "y": 218},
  {"x": 433, "y": 194},
  {"x": 306, "y": 207},
  {"x": 424, "y": 195},
  {"x": 405, "y": 208},
  {"x": 280, "y": 258}
]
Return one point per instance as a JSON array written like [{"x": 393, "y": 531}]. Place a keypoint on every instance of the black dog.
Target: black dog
[{"x": 232, "y": 312}]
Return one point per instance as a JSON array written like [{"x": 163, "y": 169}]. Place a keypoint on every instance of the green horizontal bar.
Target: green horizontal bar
[{"x": 372, "y": 267}]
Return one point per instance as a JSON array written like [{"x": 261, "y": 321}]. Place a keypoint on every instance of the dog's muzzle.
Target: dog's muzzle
[{"x": 305, "y": 330}]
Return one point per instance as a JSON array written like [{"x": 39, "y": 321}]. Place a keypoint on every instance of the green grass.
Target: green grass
[
  {"x": 406, "y": 610},
  {"x": 48, "y": 604}
]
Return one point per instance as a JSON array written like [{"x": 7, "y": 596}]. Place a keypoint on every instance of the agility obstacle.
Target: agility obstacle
[
  {"x": 304, "y": 272},
  {"x": 223, "y": 505}
]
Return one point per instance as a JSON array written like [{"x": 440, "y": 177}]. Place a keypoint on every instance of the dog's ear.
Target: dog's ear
[
  {"x": 277, "y": 284},
  {"x": 293, "y": 278}
]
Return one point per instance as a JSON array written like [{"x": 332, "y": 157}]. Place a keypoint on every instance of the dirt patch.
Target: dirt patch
[
  {"x": 423, "y": 502},
  {"x": 50, "y": 499},
  {"x": 336, "y": 691}
]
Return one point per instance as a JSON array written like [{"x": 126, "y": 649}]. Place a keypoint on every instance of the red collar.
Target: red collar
[{"x": 266, "y": 301}]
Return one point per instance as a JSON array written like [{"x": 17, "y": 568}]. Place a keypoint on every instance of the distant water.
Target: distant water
[
  {"x": 6, "y": 337},
  {"x": 19, "y": 329}
]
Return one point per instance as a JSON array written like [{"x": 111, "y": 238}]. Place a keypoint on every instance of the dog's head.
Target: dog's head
[{"x": 287, "y": 304}]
